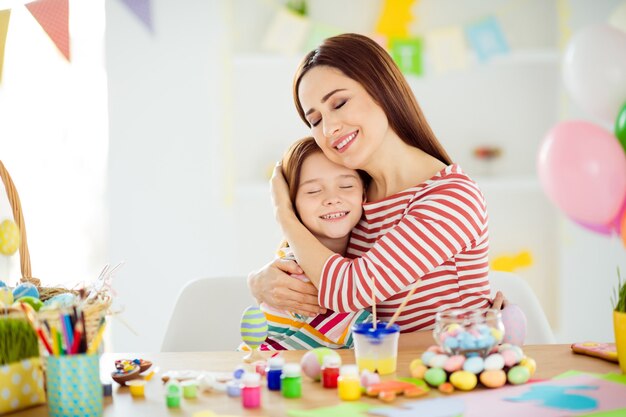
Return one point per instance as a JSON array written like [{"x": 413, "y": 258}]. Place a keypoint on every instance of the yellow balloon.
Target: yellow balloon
[{"x": 9, "y": 237}]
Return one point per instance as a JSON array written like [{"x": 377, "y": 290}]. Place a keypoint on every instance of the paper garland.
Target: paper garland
[
  {"x": 141, "y": 9},
  {"x": 52, "y": 15},
  {"x": 5, "y": 15}
]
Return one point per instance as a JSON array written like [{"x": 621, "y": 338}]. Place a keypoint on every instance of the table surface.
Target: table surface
[{"x": 551, "y": 360}]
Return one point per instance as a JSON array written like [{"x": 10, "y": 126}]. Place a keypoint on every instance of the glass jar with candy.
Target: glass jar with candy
[{"x": 468, "y": 332}]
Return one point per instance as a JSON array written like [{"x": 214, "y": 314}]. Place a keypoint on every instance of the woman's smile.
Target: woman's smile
[{"x": 344, "y": 142}]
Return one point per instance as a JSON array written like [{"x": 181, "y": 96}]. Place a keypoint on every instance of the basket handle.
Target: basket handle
[{"x": 16, "y": 207}]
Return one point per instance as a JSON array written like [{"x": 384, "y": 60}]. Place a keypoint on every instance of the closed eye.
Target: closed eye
[
  {"x": 313, "y": 192},
  {"x": 346, "y": 186},
  {"x": 340, "y": 105}
]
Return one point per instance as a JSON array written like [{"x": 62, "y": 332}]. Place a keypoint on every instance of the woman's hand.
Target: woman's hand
[
  {"x": 272, "y": 285},
  {"x": 499, "y": 302},
  {"x": 280, "y": 193}
]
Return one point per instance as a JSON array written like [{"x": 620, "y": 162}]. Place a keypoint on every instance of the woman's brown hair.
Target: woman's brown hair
[{"x": 362, "y": 59}]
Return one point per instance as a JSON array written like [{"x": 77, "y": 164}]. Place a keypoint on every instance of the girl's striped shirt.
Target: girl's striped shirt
[{"x": 435, "y": 232}]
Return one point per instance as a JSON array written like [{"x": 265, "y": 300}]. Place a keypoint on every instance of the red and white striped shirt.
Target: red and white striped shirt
[{"x": 436, "y": 231}]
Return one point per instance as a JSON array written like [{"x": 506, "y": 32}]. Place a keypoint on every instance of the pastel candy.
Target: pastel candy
[
  {"x": 530, "y": 364},
  {"x": 494, "y": 362},
  {"x": 253, "y": 327},
  {"x": 518, "y": 375},
  {"x": 510, "y": 357},
  {"x": 463, "y": 380},
  {"x": 454, "y": 363},
  {"x": 427, "y": 356},
  {"x": 493, "y": 379},
  {"x": 25, "y": 289},
  {"x": 475, "y": 365},
  {"x": 438, "y": 361},
  {"x": 435, "y": 376},
  {"x": 519, "y": 353}
]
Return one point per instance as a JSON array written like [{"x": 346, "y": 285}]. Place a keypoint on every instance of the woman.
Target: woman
[{"x": 425, "y": 221}]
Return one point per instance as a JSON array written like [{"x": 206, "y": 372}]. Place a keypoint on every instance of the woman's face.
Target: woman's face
[
  {"x": 346, "y": 122},
  {"x": 329, "y": 197}
]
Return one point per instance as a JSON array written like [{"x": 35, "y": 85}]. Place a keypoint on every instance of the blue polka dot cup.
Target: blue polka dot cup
[
  {"x": 468, "y": 332},
  {"x": 73, "y": 385}
]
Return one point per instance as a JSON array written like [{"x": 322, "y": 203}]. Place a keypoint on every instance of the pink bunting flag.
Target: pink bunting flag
[
  {"x": 141, "y": 9},
  {"x": 53, "y": 16},
  {"x": 4, "y": 27}
]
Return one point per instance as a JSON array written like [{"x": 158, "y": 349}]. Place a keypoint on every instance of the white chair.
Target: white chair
[
  {"x": 517, "y": 291},
  {"x": 207, "y": 315}
]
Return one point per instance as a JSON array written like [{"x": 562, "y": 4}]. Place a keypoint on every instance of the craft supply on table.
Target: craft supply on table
[
  {"x": 137, "y": 387},
  {"x": 253, "y": 332},
  {"x": 127, "y": 370},
  {"x": 349, "y": 383},
  {"x": 73, "y": 385},
  {"x": 173, "y": 394},
  {"x": 330, "y": 371},
  {"x": 606, "y": 351},
  {"x": 291, "y": 381},
  {"x": 274, "y": 372},
  {"x": 376, "y": 349},
  {"x": 251, "y": 390},
  {"x": 311, "y": 362}
]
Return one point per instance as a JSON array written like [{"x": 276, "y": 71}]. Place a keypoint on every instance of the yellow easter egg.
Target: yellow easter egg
[
  {"x": 463, "y": 380},
  {"x": 530, "y": 364},
  {"x": 9, "y": 237}
]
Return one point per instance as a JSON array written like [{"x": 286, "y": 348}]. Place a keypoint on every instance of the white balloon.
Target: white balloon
[{"x": 594, "y": 70}]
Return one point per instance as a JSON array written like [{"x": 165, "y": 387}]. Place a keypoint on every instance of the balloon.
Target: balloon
[
  {"x": 582, "y": 169},
  {"x": 594, "y": 70},
  {"x": 623, "y": 228},
  {"x": 620, "y": 126}
]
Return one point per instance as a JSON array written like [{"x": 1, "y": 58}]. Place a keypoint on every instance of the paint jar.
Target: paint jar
[
  {"x": 330, "y": 371},
  {"x": 173, "y": 394},
  {"x": 73, "y": 385},
  {"x": 251, "y": 390},
  {"x": 349, "y": 383},
  {"x": 190, "y": 388},
  {"x": 137, "y": 387},
  {"x": 291, "y": 381},
  {"x": 376, "y": 349},
  {"x": 273, "y": 372}
]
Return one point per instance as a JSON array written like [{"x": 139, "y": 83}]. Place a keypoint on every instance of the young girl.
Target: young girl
[{"x": 328, "y": 200}]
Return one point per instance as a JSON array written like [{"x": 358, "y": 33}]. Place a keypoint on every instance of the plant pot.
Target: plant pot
[{"x": 619, "y": 325}]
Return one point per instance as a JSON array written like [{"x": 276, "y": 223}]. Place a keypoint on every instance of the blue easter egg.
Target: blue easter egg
[
  {"x": 474, "y": 364},
  {"x": 253, "y": 327},
  {"x": 3, "y": 284},
  {"x": 61, "y": 300},
  {"x": 25, "y": 289}
]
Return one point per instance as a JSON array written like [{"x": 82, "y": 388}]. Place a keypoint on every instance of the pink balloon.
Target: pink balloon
[{"x": 582, "y": 169}]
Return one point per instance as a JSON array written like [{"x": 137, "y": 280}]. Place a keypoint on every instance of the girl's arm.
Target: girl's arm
[{"x": 450, "y": 219}]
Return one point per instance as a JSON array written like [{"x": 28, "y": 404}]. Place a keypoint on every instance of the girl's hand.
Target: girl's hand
[
  {"x": 272, "y": 285},
  {"x": 280, "y": 193},
  {"x": 499, "y": 302}
]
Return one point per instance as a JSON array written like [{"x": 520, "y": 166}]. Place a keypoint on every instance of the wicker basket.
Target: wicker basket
[{"x": 93, "y": 310}]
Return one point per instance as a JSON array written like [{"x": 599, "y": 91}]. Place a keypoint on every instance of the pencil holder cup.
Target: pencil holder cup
[
  {"x": 376, "y": 349},
  {"x": 73, "y": 384}
]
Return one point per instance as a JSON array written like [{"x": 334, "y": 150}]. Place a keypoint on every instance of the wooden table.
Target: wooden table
[{"x": 551, "y": 361}]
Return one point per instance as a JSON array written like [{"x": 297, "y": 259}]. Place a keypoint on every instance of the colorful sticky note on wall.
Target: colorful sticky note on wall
[
  {"x": 395, "y": 18},
  {"x": 286, "y": 33},
  {"x": 509, "y": 263},
  {"x": 487, "y": 39},
  {"x": 446, "y": 48},
  {"x": 407, "y": 53}
]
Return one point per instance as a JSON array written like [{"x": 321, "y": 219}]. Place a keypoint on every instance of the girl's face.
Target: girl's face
[
  {"x": 329, "y": 197},
  {"x": 347, "y": 124}
]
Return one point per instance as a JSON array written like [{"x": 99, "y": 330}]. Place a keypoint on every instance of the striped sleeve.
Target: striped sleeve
[{"x": 434, "y": 227}]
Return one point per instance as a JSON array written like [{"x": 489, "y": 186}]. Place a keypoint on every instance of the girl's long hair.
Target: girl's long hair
[{"x": 363, "y": 60}]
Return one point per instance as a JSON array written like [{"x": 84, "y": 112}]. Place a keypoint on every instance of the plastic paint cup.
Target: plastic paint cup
[
  {"x": 137, "y": 387},
  {"x": 190, "y": 389},
  {"x": 73, "y": 385},
  {"x": 376, "y": 350}
]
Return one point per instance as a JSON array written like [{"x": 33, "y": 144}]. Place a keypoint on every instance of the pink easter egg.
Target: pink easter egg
[
  {"x": 510, "y": 358},
  {"x": 454, "y": 363},
  {"x": 311, "y": 362},
  {"x": 514, "y": 321}
]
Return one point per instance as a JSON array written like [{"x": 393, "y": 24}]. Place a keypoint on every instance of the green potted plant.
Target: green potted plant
[{"x": 619, "y": 321}]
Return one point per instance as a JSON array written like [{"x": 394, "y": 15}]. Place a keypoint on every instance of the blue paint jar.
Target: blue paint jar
[{"x": 273, "y": 372}]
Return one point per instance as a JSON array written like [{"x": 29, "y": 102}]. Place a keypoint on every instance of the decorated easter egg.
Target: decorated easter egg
[
  {"x": 67, "y": 299},
  {"x": 514, "y": 321},
  {"x": 9, "y": 237},
  {"x": 6, "y": 296},
  {"x": 463, "y": 380},
  {"x": 493, "y": 379},
  {"x": 3, "y": 284},
  {"x": 27, "y": 307},
  {"x": 518, "y": 375},
  {"x": 25, "y": 289},
  {"x": 435, "y": 376},
  {"x": 253, "y": 327},
  {"x": 312, "y": 361},
  {"x": 35, "y": 303}
]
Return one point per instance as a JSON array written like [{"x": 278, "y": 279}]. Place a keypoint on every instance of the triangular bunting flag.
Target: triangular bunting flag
[
  {"x": 141, "y": 9},
  {"x": 4, "y": 28},
  {"x": 53, "y": 17}
]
